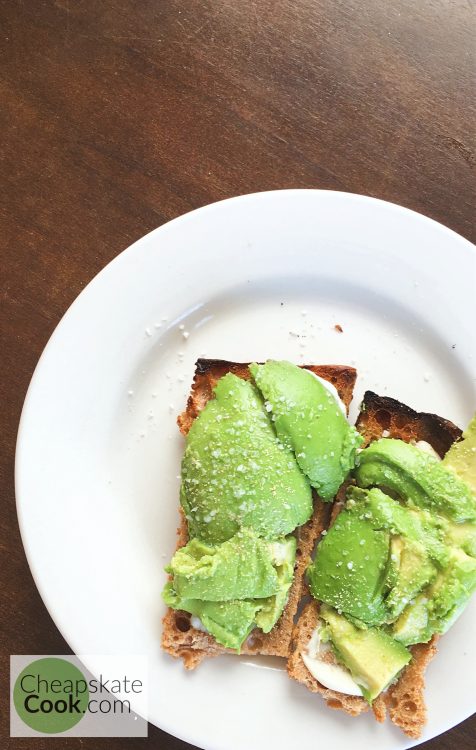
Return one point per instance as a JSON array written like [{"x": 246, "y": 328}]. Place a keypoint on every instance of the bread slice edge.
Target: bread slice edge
[
  {"x": 382, "y": 416},
  {"x": 179, "y": 637}
]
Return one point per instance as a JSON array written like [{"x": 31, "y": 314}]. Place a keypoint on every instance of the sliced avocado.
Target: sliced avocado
[
  {"x": 393, "y": 566},
  {"x": 462, "y": 535},
  {"x": 415, "y": 571},
  {"x": 272, "y": 607},
  {"x": 229, "y": 622},
  {"x": 395, "y": 553},
  {"x": 350, "y": 567},
  {"x": 461, "y": 457},
  {"x": 451, "y": 590},
  {"x": 413, "y": 626},
  {"x": 308, "y": 420},
  {"x": 431, "y": 569},
  {"x": 416, "y": 477},
  {"x": 441, "y": 603},
  {"x": 383, "y": 512},
  {"x": 235, "y": 471},
  {"x": 240, "y": 568},
  {"x": 372, "y": 656}
]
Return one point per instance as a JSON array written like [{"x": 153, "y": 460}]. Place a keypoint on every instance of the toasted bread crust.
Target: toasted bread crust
[
  {"x": 404, "y": 700},
  {"x": 179, "y": 637},
  {"x": 382, "y": 414},
  {"x": 209, "y": 371}
]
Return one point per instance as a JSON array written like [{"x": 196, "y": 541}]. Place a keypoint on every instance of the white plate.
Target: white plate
[{"x": 265, "y": 275}]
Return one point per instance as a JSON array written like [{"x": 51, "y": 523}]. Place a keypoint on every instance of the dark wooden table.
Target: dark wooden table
[{"x": 117, "y": 116}]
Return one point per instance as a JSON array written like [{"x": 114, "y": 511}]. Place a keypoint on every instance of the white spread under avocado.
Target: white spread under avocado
[
  {"x": 332, "y": 390},
  {"x": 427, "y": 448},
  {"x": 332, "y": 675},
  {"x": 279, "y": 552},
  {"x": 198, "y": 624}
]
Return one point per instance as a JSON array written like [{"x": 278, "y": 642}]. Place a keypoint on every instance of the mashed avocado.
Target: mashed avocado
[
  {"x": 308, "y": 421},
  {"x": 401, "y": 566}
]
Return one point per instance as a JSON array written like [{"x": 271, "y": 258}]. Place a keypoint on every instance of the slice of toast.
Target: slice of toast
[
  {"x": 381, "y": 417},
  {"x": 179, "y": 637}
]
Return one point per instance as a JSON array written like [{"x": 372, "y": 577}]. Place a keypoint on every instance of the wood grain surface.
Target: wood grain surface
[{"x": 119, "y": 115}]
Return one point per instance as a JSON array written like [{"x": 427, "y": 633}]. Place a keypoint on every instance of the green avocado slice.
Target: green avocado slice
[
  {"x": 240, "y": 568},
  {"x": 272, "y": 607},
  {"x": 384, "y": 512},
  {"x": 308, "y": 420},
  {"x": 415, "y": 571},
  {"x": 230, "y": 621},
  {"x": 437, "y": 608},
  {"x": 431, "y": 535},
  {"x": 461, "y": 457},
  {"x": 236, "y": 473},
  {"x": 451, "y": 590},
  {"x": 350, "y": 567},
  {"x": 412, "y": 626},
  {"x": 462, "y": 535},
  {"x": 372, "y": 656},
  {"x": 377, "y": 557},
  {"x": 417, "y": 477}
]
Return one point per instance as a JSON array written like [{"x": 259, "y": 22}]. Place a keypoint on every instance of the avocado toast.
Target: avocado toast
[
  {"x": 184, "y": 635},
  {"x": 389, "y": 576}
]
